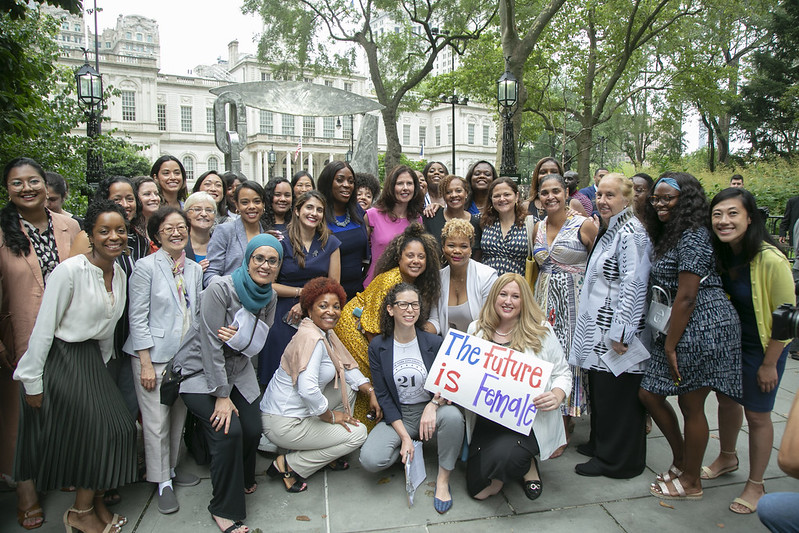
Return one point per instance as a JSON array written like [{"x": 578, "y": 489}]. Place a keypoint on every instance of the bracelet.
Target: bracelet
[
  {"x": 333, "y": 414},
  {"x": 435, "y": 402},
  {"x": 371, "y": 390},
  {"x": 297, "y": 294}
]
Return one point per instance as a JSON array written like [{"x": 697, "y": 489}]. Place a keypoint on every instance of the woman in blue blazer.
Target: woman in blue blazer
[
  {"x": 400, "y": 360},
  {"x": 164, "y": 290}
]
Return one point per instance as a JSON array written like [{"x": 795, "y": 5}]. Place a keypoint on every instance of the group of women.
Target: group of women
[{"x": 336, "y": 308}]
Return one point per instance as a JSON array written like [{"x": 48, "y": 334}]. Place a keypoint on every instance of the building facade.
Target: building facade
[{"x": 173, "y": 114}]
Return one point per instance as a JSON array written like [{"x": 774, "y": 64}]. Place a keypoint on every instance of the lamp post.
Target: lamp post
[
  {"x": 507, "y": 96},
  {"x": 454, "y": 100},
  {"x": 90, "y": 94},
  {"x": 271, "y": 157},
  {"x": 351, "y": 151}
]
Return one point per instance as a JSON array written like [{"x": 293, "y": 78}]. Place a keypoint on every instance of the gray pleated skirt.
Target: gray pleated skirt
[{"x": 83, "y": 435}]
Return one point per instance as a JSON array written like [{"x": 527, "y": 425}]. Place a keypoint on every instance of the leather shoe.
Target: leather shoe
[
  {"x": 588, "y": 469},
  {"x": 532, "y": 488},
  {"x": 585, "y": 449},
  {"x": 185, "y": 479}
]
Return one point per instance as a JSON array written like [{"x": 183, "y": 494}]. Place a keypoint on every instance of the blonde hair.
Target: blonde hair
[
  {"x": 530, "y": 329},
  {"x": 457, "y": 227},
  {"x": 625, "y": 185},
  {"x": 199, "y": 197}
]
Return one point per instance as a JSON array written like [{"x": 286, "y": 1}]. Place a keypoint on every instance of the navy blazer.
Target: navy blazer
[{"x": 381, "y": 362}]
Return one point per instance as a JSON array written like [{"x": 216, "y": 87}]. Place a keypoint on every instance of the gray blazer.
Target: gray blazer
[
  {"x": 226, "y": 249},
  {"x": 220, "y": 367},
  {"x": 156, "y": 312}
]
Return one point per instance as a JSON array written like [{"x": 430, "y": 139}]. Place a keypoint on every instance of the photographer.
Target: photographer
[{"x": 779, "y": 511}]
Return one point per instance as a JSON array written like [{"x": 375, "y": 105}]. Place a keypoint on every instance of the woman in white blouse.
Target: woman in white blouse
[
  {"x": 464, "y": 282},
  {"x": 74, "y": 415},
  {"x": 301, "y": 411}
]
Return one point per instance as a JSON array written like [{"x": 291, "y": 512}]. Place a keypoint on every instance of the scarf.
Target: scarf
[
  {"x": 254, "y": 297},
  {"x": 177, "y": 271}
]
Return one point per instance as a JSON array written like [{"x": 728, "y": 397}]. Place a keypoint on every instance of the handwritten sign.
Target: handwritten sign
[{"x": 493, "y": 381}]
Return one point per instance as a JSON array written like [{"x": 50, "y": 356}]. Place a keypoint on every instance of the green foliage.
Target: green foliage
[
  {"x": 17, "y": 9},
  {"x": 381, "y": 165}
]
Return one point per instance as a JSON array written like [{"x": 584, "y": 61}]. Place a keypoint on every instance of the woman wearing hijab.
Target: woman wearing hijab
[{"x": 236, "y": 312}]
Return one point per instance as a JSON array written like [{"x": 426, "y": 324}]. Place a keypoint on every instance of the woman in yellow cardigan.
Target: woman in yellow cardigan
[{"x": 757, "y": 277}]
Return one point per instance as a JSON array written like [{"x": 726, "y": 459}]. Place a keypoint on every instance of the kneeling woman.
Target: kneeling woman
[
  {"x": 75, "y": 417},
  {"x": 301, "y": 411},
  {"x": 220, "y": 386},
  {"x": 400, "y": 360},
  {"x": 497, "y": 455}
]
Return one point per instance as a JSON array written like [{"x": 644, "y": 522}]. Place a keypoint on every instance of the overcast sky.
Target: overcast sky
[{"x": 192, "y": 32}]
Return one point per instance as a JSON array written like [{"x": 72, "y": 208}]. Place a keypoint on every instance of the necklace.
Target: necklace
[
  {"x": 497, "y": 332},
  {"x": 344, "y": 223}
]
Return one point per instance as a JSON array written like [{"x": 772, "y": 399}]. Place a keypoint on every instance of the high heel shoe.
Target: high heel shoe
[
  {"x": 109, "y": 528},
  {"x": 117, "y": 519},
  {"x": 273, "y": 471}
]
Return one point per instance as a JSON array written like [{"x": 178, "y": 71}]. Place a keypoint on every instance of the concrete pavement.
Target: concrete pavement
[{"x": 355, "y": 500}]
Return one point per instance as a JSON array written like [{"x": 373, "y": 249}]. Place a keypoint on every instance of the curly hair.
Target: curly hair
[
  {"x": 428, "y": 281},
  {"x": 690, "y": 212},
  {"x": 490, "y": 216},
  {"x": 154, "y": 224},
  {"x": 97, "y": 208},
  {"x": 317, "y": 288},
  {"x": 368, "y": 181},
  {"x": 295, "y": 235},
  {"x": 156, "y": 168},
  {"x": 269, "y": 195},
  {"x": 756, "y": 233},
  {"x": 386, "y": 320},
  {"x": 530, "y": 329},
  {"x": 387, "y": 200},
  {"x": 457, "y": 227},
  {"x": 13, "y": 236},
  {"x": 325, "y": 185}
]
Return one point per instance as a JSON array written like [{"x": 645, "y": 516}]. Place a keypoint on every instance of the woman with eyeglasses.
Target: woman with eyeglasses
[
  {"x": 164, "y": 292},
  {"x": 701, "y": 349},
  {"x": 168, "y": 171},
  {"x": 200, "y": 208},
  {"x": 400, "y": 360},
  {"x": 504, "y": 241},
  {"x": 228, "y": 242},
  {"x": 212, "y": 183},
  {"x": 33, "y": 240},
  {"x": 220, "y": 387}
]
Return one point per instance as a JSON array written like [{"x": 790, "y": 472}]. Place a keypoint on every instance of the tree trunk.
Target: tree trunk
[
  {"x": 393, "y": 146},
  {"x": 584, "y": 141}
]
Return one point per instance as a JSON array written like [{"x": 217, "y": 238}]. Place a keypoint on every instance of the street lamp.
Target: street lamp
[
  {"x": 90, "y": 94},
  {"x": 454, "y": 100},
  {"x": 507, "y": 96},
  {"x": 351, "y": 151},
  {"x": 271, "y": 156}
]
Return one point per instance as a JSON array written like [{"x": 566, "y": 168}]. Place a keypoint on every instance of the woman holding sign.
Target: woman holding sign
[
  {"x": 510, "y": 317},
  {"x": 612, "y": 304},
  {"x": 400, "y": 360}
]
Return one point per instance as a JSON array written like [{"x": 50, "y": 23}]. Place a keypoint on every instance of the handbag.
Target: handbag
[
  {"x": 659, "y": 314},
  {"x": 7, "y": 337},
  {"x": 530, "y": 264},
  {"x": 170, "y": 383}
]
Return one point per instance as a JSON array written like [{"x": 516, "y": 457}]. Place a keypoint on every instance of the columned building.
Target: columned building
[{"x": 173, "y": 114}]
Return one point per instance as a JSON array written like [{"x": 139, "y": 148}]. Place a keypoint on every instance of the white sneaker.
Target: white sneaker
[{"x": 266, "y": 445}]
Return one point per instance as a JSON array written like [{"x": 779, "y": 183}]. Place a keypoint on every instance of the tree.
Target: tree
[
  {"x": 768, "y": 111},
  {"x": 320, "y": 33},
  {"x": 17, "y": 9}
]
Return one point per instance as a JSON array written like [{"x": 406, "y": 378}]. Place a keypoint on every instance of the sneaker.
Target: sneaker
[
  {"x": 167, "y": 501},
  {"x": 185, "y": 479},
  {"x": 266, "y": 445}
]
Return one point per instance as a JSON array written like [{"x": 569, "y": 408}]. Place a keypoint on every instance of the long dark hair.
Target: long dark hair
[
  {"x": 221, "y": 206},
  {"x": 13, "y": 236},
  {"x": 269, "y": 195},
  {"x": 386, "y": 320},
  {"x": 387, "y": 200},
  {"x": 756, "y": 234},
  {"x": 690, "y": 212},
  {"x": 325, "y": 185},
  {"x": 295, "y": 235},
  {"x": 183, "y": 193},
  {"x": 429, "y": 281}
]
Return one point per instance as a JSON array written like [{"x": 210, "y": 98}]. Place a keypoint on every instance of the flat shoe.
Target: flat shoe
[
  {"x": 167, "y": 501},
  {"x": 533, "y": 488},
  {"x": 33, "y": 512},
  {"x": 744, "y": 503},
  {"x": 588, "y": 469},
  {"x": 442, "y": 506},
  {"x": 661, "y": 490},
  {"x": 185, "y": 479},
  {"x": 707, "y": 473}
]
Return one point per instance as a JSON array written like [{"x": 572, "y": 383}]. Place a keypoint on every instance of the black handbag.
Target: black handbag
[{"x": 170, "y": 383}]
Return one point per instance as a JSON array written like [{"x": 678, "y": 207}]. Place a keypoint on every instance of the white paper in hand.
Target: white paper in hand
[
  {"x": 415, "y": 472},
  {"x": 620, "y": 363}
]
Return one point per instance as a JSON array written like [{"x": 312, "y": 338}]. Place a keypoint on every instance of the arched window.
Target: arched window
[
  {"x": 213, "y": 163},
  {"x": 188, "y": 164}
]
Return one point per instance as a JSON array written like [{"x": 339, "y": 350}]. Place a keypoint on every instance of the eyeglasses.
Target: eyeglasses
[
  {"x": 169, "y": 230},
  {"x": 665, "y": 199},
  {"x": 198, "y": 210},
  {"x": 404, "y": 305},
  {"x": 259, "y": 260}
]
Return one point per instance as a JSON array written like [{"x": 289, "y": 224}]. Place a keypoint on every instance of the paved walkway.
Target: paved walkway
[{"x": 359, "y": 501}]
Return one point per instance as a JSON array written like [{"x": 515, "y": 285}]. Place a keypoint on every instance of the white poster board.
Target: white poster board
[{"x": 494, "y": 381}]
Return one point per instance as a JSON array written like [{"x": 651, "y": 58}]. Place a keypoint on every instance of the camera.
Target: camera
[{"x": 785, "y": 323}]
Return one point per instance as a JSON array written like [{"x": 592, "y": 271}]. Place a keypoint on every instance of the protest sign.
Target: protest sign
[{"x": 493, "y": 381}]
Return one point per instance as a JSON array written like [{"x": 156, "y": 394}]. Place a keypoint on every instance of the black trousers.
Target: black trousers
[
  {"x": 618, "y": 424},
  {"x": 232, "y": 455}
]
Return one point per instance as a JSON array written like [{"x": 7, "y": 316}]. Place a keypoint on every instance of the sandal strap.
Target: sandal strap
[
  {"x": 752, "y": 481},
  {"x": 734, "y": 452},
  {"x": 679, "y": 487},
  {"x": 79, "y": 511}
]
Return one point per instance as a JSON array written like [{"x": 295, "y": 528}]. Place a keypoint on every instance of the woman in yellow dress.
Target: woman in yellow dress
[{"x": 411, "y": 257}]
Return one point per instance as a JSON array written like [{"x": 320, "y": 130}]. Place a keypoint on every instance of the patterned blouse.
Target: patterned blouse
[
  {"x": 505, "y": 253},
  {"x": 44, "y": 245}
]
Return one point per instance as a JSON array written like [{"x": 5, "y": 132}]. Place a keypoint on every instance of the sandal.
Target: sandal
[
  {"x": 34, "y": 512},
  {"x": 288, "y": 474},
  {"x": 661, "y": 490},
  {"x": 252, "y": 489},
  {"x": 237, "y": 524},
  {"x": 338, "y": 465},
  {"x": 670, "y": 475},
  {"x": 116, "y": 519},
  {"x": 751, "y": 508},
  {"x": 707, "y": 473},
  {"x": 109, "y": 528}
]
